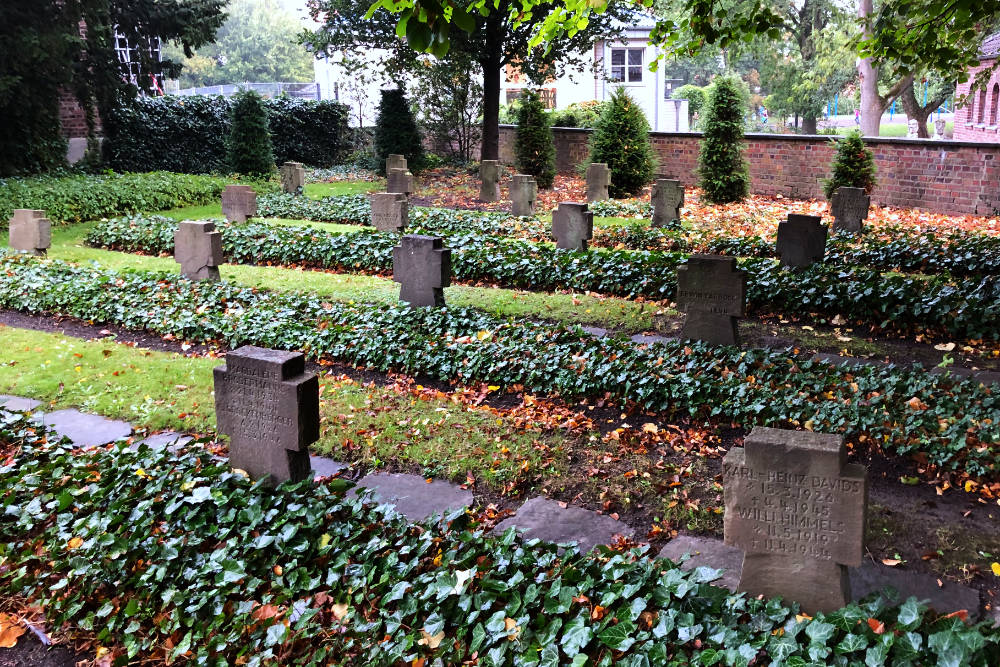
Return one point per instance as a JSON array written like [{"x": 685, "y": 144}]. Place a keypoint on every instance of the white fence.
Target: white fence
[{"x": 307, "y": 91}]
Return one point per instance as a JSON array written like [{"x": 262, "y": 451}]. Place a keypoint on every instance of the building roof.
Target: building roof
[
  {"x": 990, "y": 48},
  {"x": 639, "y": 20}
]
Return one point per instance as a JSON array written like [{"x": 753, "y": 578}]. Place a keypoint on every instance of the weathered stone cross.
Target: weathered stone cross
[
  {"x": 239, "y": 203},
  {"x": 667, "y": 196},
  {"x": 712, "y": 291},
  {"x": 850, "y": 209},
  {"x": 30, "y": 231},
  {"x": 422, "y": 267},
  {"x": 572, "y": 225},
  {"x": 801, "y": 240},
  {"x": 198, "y": 249}
]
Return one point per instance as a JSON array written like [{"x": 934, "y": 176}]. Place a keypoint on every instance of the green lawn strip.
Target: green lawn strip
[
  {"x": 320, "y": 190},
  {"x": 563, "y": 307},
  {"x": 366, "y": 425}
]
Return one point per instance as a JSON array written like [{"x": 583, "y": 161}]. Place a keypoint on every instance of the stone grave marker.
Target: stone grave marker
[
  {"x": 390, "y": 212},
  {"x": 395, "y": 161},
  {"x": 801, "y": 240},
  {"x": 30, "y": 231},
  {"x": 422, "y": 267},
  {"x": 293, "y": 177},
  {"x": 849, "y": 207},
  {"x": 239, "y": 203},
  {"x": 489, "y": 175},
  {"x": 523, "y": 192},
  {"x": 598, "y": 180},
  {"x": 667, "y": 197},
  {"x": 198, "y": 249},
  {"x": 399, "y": 180},
  {"x": 572, "y": 225},
  {"x": 797, "y": 509},
  {"x": 712, "y": 292},
  {"x": 939, "y": 126},
  {"x": 269, "y": 407},
  {"x": 912, "y": 129}
]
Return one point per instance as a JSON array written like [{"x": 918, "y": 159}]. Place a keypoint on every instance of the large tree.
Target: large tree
[
  {"x": 44, "y": 53},
  {"x": 500, "y": 38}
]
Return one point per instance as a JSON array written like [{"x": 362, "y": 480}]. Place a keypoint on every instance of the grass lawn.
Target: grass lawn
[{"x": 899, "y": 129}]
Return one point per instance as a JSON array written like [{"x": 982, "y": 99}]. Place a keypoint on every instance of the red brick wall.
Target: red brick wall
[
  {"x": 940, "y": 176},
  {"x": 71, "y": 116},
  {"x": 977, "y": 120}
]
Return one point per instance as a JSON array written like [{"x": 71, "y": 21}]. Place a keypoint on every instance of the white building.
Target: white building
[{"x": 612, "y": 63}]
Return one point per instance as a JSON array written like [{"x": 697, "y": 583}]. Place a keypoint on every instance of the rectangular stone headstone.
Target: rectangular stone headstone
[
  {"x": 239, "y": 203},
  {"x": 713, "y": 293},
  {"x": 489, "y": 175},
  {"x": 399, "y": 180},
  {"x": 801, "y": 240},
  {"x": 30, "y": 231},
  {"x": 797, "y": 509},
  {"x": 269, "y": 407},
  {"x": 422, "y": 267},
  {"x": 572, "y": 225},
  {"x": 390, "y": 211},
  {"x": 667, "y": 197},
  {"x": 198, "y": 249},
  {"x": 523, "y": 192},
  {"x": 850, "y": 209},
  {"x": 293, "y": 177},
  {"x": 598, "y": 180},
  {"x": 395, "y": 161}
]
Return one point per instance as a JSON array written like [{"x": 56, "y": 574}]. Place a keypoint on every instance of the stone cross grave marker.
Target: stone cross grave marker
[
  {"x": 572, "y": 225},
  {"x": 797, "y": 509},
  {"x": 390, "y": 212},
  {"x": 850, "y": 208},
  {"x": 399, "y": 180},
  {"x": 198, "y": 249},
  {"x": 239, "y": 203},
  {"x": 293, "y": 177},
  {"x": 523, "y": 192},
  {"x": 269, "y": 407},
  {"x": 801, "y": 240},
  {"x": 489, "y": 175},
  {"x": 667, "y": 196},
  {"x": 422, "y": 267},
  {"x": 911, "y": 129},
  {"x": 939, "y": 126},
  {"x": 713, "y": 293},
  {"x": 30, "y": 231},
  {"x": 598, "y": 180},
  {"x": 395, "y": 161}
]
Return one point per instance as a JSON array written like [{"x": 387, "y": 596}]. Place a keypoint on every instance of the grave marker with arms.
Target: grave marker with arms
[
  {"x": 667, "y": 197},
  {"x": 489, "y": 174},
  {"x": 801, "y": 240},
  {"x": 30, "y": 231},
  {"x": 572, "y": 225},
  {"x": 293, "y": 177},
  {"x": 523, "y": 192},
  {"x": 399, "y": 180},
  {"x": 390, "y": 211},
  {"x": 198, "y": 249},
  {"x": 269, "y": 407},
  {"x": 797, "y": 509},
  {"x": 395, "y": 161},
  {"x": 712, "y": 291},
  {"x": 422, "y": 267},
  {"x": 239, "y": 203},
  {"x": 598, "y": 180},
  {"x": 850, "y": 209}
]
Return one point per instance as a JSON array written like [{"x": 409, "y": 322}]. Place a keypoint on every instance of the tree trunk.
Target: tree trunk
[
  {"x": 492, "y": 63},
  {"x": 808, "y": 125},
  {"x": 872, "y": 105},
  {"x": 914, "y": 111}
]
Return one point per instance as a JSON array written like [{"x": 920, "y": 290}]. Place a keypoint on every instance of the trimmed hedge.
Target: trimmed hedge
[
  {"x": 80, "y": 198},
  {"x": 175, "y": 556},
  {"x": 970, "y": 309},
  {"x": 950, "y": 421},
  {"x": 188, "y": 134}
]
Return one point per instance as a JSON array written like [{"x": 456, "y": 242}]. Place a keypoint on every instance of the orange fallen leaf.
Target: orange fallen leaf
[
  {"x": 10, "y": 630},
  {"x": 877, "y": 626}
]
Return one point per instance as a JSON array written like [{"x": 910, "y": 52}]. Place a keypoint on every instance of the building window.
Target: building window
[
  {"x": 626, "y": 65},
  {"x": 993, "y": 108},
  {"x": 130, "y": 59},
  {"x": 982, "y": 107}
]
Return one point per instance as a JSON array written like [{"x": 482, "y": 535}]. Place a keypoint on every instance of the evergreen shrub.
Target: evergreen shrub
[
  {"x": 396, "y": 132},
  {"x": 853, "y": 165},
  {"x": 534, "y": 148},
  {"x": 721, "y": 167},
  {"x": 249, "y": 143},
  {"x": 621, "y": 139}
]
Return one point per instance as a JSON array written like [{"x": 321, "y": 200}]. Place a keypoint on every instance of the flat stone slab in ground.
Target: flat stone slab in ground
[
  {"x": 867, "y": 579},
  {"x": 168, "y": 439},
  {"x": 85, "y": 430},
  {"x": 324, "y": 467},
  {"x": 413, "y": 496},
  {"x": 18, "y": 403},
  {"x": 548, "y": 520}
]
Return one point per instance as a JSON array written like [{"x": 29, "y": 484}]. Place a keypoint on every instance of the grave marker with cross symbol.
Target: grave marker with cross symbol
[
  {"x": 198, "y": 249},
  {"x": 797, "y": 509},
  {"x": 598, "y": 181},
  {"x": 849, "y": 207},
  {"x": 269, "y": 407},
  {"x": 572, "y": 225},
  {"x": 422, "y": 267},
  {"x": 30, "y": 231},
  {"x": 712, "y": 291},
  {"x": 801, "y": 240},
  {"x": 667, "y": 197},
  {"x": 239, "y": 203}
]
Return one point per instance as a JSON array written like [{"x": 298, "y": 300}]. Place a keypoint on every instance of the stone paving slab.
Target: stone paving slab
[
  {"x": 324, "y": 467},
  {"x": 548, "y": 520},
  {"x": 598, "y": 332},
  {"x": 644, "y": 339},
  {"x": 413, "y": 497},
  {"x": 868, "y": 578},
  {"x": 168, "y": 439},
  {"x": 85, "y": 430},
  {"x": 18, "y": 403}
]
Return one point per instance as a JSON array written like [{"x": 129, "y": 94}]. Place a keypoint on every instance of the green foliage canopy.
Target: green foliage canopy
[{"x": 621, "y": 139}]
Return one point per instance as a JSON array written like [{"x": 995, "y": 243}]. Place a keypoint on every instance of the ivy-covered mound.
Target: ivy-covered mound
[
  {"x": 970, "y": 309},
  {"x": 82, "y": 197},
  {"x": 951, "y": 422},
  {"x": 174, "y": 556}
]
